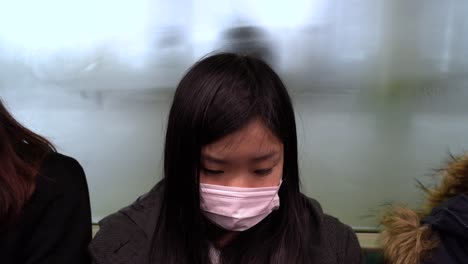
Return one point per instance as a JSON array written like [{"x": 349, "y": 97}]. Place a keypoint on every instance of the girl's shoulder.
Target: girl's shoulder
[
  {"x": 338, "y": 242},
  {"x": 126, "y": 236}
]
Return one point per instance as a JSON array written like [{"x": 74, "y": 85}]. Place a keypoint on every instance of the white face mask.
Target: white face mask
[{"x": 237, "y": 209}]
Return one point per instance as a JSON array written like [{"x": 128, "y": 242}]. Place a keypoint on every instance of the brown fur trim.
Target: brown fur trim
[
  {"x": 404, "y": 239},
  {"x": 454, "y": 181}
]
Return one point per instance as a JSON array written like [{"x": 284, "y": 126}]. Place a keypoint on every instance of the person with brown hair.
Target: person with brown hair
[
  {"x": 438, "y": 232},
  {"x": 45, "y": 212}
]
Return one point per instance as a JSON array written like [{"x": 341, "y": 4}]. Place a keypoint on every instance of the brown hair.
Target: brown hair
[{"x": 21, "y": 154}]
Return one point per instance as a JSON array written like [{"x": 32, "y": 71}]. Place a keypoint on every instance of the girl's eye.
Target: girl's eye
[
  {"x": 212, "y": 172},
  {"x": 263, "y": 172}
]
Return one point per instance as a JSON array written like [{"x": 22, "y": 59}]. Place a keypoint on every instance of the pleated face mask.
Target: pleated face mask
[{"x": 237, "y": 209}]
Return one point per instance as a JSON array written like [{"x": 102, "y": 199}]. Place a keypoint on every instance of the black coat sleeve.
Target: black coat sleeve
[
  {"x": 352, "y": 249},
  {"x": 342, "y": 242},
  {"x": 63, "y": 229}
]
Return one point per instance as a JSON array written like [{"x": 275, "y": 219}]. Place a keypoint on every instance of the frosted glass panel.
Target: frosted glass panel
[{"x": 379, "y": 87}]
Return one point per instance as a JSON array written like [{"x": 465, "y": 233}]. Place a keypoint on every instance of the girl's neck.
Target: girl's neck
[
  {"x": 220, "y": 237},
  {"x": 225, "y": 239}
]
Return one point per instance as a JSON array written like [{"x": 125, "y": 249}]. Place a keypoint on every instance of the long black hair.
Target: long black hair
[{"x": 219, "y": 95}]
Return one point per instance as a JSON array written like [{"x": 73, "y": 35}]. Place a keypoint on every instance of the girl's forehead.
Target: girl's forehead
[{"x": 255, "y": 139}]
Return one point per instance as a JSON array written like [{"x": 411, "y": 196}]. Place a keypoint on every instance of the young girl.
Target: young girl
[
  {"x": 45, "y": 215},
  {"x": 230, "y": 191}
]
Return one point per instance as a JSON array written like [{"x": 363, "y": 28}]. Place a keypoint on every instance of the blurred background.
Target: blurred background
[{"x": 379, "y": 86}]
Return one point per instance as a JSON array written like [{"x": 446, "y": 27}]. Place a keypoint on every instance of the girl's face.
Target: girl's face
[{"x": 250, "y": 157}]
